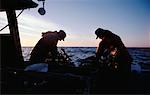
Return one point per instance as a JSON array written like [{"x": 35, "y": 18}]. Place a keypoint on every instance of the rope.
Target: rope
[{"x": 8, "y": 24}]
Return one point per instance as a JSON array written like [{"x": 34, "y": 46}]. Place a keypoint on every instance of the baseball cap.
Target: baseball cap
[
  {"x": 62, "y": 34},
  {"x": 99, "y": 32}
]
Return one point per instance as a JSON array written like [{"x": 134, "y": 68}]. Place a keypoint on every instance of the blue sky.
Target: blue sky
[{"x": 130, "y": 19}]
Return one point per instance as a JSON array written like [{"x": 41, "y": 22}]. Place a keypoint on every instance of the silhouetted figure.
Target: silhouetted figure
[
  {"x": 47, "y": 44},
  {"x": 112, "y": 52},
  {"x": 114, "y": 64}
]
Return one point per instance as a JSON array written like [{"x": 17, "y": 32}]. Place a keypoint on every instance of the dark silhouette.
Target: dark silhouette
[
  {"x": 47, "y": 44},
  {"x": 112, "y": 52}
]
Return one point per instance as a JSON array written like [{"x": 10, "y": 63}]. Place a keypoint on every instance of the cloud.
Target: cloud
[
  {"x": 30, "y": 27},
  {"x": 36, "y": 25},
  {"x": 30, "y": 24},
  {"x": 3, "y": 22}
]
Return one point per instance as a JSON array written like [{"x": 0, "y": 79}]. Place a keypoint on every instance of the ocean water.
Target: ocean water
[{"x": 141, "y": 56}]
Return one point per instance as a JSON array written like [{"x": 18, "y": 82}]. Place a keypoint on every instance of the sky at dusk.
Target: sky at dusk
[{"x": 130, "y": 19}]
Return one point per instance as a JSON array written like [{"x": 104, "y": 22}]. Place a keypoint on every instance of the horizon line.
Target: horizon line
[{"x": 85, "y": 46}]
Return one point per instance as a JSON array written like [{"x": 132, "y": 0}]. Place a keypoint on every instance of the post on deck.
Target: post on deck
[{"x": 11, "y": 16}]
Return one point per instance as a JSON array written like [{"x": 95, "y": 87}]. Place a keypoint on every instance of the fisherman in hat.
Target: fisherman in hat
[
  {"x": 48, "y": 43},
  {"x": 112, "y": 52}
]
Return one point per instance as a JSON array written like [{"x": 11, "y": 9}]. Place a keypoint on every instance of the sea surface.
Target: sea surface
[{"x": 141, "y": 56}]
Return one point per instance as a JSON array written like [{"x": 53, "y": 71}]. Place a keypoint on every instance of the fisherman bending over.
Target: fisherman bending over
[
  {"x": 48, "y": 43},
  {"x": 112, "y": 53}
]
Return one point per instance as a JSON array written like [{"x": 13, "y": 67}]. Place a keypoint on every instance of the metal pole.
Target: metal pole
[{"x": 14, "y": 32}]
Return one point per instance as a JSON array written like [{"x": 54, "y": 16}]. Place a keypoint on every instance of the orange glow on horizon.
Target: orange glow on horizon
[{"x": 32, "y": 42}]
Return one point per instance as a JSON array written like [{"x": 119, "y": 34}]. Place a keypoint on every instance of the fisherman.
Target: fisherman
[
  {"x": 47, "y": 44},
  {"x": 112, "y": 52}
]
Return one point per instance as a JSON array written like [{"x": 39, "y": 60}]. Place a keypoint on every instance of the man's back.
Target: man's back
[{"x": 113, "y": 50}]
